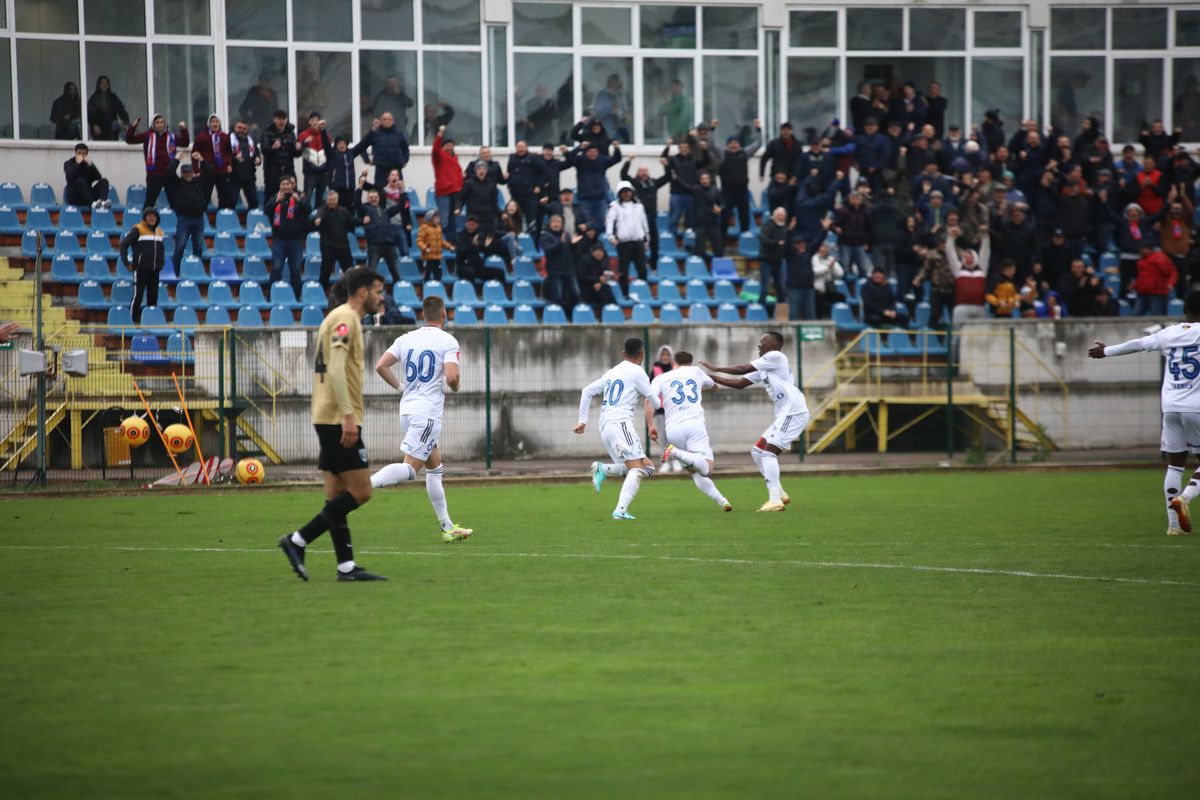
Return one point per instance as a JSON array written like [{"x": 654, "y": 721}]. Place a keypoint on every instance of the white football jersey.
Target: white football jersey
[
  {"x": 620, "y": 389},
  {"x": 422, "y": 354},
  {"x": 775, "y": 374},
  {"x": 677, "y": 393},
  {"x": 1181, "y": 380}
]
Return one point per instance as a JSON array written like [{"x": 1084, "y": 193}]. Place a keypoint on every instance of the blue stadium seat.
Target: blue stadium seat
[
  {"x": 414, "y": 202},
  {"x": 67, "y": 243},
  {"x": 311, "y": 270},
  {"x": 227, "y": 221},
  {"x": 185, "y": 317},
  {"x": 135, "y": 197},
  {"x": 698, "y": 313},
  {"x": 931, "y": 343},
  {"x": 312, "y": 245},
  {"x": 96, "y": 268},
  {"x": 11, "y": 196},
  {"x": 899, "y": 343},
  {"x": 114, "y": 199},
  {"x": 670, "y": 314},
  {"x": 192, "y": 269},
  {"x": 42, "y": 194},
  {"x": 553, "y": 314},
  {"x": 217, "y": 315},
  {"x": 224, "y": 269},
  {"x": 697, "y": 292},
  {"x": 187, "y": 293},
  {"x": 612, "y": 314},
  {"x": 99, "y": 245},
  {"x": 179, "y": 348},
  {"x": 639, "y": 292},
  {"x": 283, "y": 295},
  {"x": 523, "y": 315},
  {"x": 29, "y": 245},
  {"x": 724, "y": 269},
  {"x": 120, "y": 321},
  {"x": 660, "y": 220},
  {"x": 524, "y": 270},
  {"x": 144, "y": 349},
  {"x": 873, "y": 344},
  {"x": 751, "y": 288},
  {"x": 756, "y": 312},
  {"x": 10, "y": 225},
  {"x": 220, "y": 295},
  {"x": 357, "y": 253},
  {"x": 249, "y": 317},
  {"x": 527, "y": 245},
  {"x": 434, "y": 289},
  {"x": 668, "y": 269},
  {"x": 493, "y": 294},
  {"x": 522, "y": 293},
  {"x": 281, "y": 317},
  {"x": 257, "y": 245},
  {"x": 667, "y": 246},
  {"x": 464, "y": 294},
  {"x": 1175, "y": 307},
  {"x": 619, "y": 296},
  {"x": 38, "y": 219},
  {"x": 256, "y": 217},
  {"x": 689, "y": 241},
  {"x": 253, "y": 269},
  {"x": 843, "y": 318},
  {"x": 225, "y": 244},
  {"x": 582, "y": 314},
  {"x": 154, "y": 318},
  {"x": 725, "y": 292},
  {"x": 311, "y": 294},
  {"x": 748, "y": 245},
  {"x": 121, "y": 293},
  {"x": 168, "y": 221},
  {"x": 312, "y": 316},
  {"x": 167, "y": 274},
  {"x": 668, "y": 292},
  {"x": 71, "y": 219},
  {"x": 409, "y": 271},
  {"x": 91, "y": 295},
  {"x": 405, "y": 294},
  {"x": 63, "y": 270},
  {"x": 643, "y": 315},
  {"x": 104, "y": 221},
  {"x": 121, "y": 271},
  {"x": 465, "y": 316},
  {"x": 697, "y": 270},
  {"x": 494, "y": 315}
]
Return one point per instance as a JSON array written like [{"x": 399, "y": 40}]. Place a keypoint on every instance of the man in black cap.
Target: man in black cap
[
  {"x": 189, "y": 201},
  {"x": 781, "y": 153}
]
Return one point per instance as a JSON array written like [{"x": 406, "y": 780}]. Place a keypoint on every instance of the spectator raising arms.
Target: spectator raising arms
[{"x": 159, "y": 147}]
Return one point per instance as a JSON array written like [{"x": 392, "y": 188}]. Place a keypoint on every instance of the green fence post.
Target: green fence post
[
  {"x": 950, "y": 390},
  {"x": 1012, "y": 392},
  {"x": 221, "y": 397},
  {"x": 487, "y": 391}
]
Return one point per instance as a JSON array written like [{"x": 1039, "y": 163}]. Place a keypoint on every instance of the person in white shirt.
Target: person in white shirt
[
  {"x": 677, "y": 392},
  {"x": 430, "y": 357},
  {"x": 1180, "y": 405},
  {"x": 620, "y": 389},
  {"x": 628, "y": 229},
  {"x": 772, "y": 371}
]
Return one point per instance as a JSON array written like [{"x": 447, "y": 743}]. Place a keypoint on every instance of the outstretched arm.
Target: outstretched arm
[
  {"x": 1099, "y": 350},
  {"x": 739, "y": 369},
  {"x": 732, "y": 383}
]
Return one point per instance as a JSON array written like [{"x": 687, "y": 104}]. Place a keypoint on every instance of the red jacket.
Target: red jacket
[
  {"x": 207, "y": 142},
  {"x": 970, "y": 288},
  {"x": 447, "y": 174},
  {"x": 1149, "y": 198},
  {"x": 162, "y": 145},
  {"x": 1156, "y": 274}
]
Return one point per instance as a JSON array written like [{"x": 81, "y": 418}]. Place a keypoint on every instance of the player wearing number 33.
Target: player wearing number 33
[
  {"x": 1180, "y": 405},
  {"x": 620, "y": 390},
  {"x": 430, "y": 357}
]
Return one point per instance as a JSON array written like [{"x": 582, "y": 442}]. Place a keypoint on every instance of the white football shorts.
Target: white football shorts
[
  {"x": 622, "y": 442},
  {"x": 1180, "y": 432},
  {"x": 785, "y": 430},
  {"x": 690, "y": 435},
  {"x": 421, "y": 435}
]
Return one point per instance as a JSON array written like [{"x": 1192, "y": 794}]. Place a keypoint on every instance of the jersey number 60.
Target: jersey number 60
[{"x": 420, "y": 370}]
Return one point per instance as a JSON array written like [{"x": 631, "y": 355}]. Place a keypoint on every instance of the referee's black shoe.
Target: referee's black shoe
[
  {"x": 359, "y": 574},
  {"x": 295, "y": 556}
]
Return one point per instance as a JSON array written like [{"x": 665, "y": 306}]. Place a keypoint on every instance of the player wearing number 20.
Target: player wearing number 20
[
  {"x": 620, "y": 389},
  {"x": 1180, "y": 405},
  {"x": 430, "y": 357}
]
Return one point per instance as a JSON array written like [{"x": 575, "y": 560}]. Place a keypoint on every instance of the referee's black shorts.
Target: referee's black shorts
[{"x": 335, "y": 458}]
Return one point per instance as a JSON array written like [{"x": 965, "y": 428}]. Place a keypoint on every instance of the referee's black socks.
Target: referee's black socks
[{"x": 332, "y": 516}]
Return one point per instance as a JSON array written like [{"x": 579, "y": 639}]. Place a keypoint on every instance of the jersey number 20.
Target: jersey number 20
[
  {"x": 421, "y": 369},
  {"x": 612, "y": 392}
]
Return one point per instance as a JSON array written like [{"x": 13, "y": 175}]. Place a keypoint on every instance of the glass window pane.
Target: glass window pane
[
  {"x": 542, "y": 24},
  {"x": 453, "y": 95},
  {"x": 115, "y": 18},
  {"x": 256, "y": 19},
  {"x": 388, "y": 82},
  {"x": 323, "y": 86},
  {"x": 812, "y": 91},
  {"x": 606, "y": 25},
  {"x": 730, "y": 94},
  {"x": 322, "y": 21},
  {"x": 387, "y": 20},
  {"x": 1137, "y": 96},
  {"x": 1078, "y": 28},
  {"x": 874, "y": 29},
  {"x": 6, "y": 109},
  {"x": 545, "y": 106},
  {"x": 47, "y": 16},
  {"x": 1185, "y": 94},
  {"x": 450, "y": 22},
  {"x": 48, "y": 73},
  {"x": 812, "y": 29},
  {"x": 1187, "y": 28},
  {"x": 730, "y": 28},
  {"x": 997, "y": 28},
  {"x": 669, "y": 93},
  {"x": 888, "y": 74},
  {"x": 258, "y": 84},
  {"x": 183, "y": 84},
  {"x": 186, "y": 17},
  {"x": 1076, "y": 90},
  {"x": 669, "y": 26},
  {"x": 498, "y": 81},
  {"x": 1139, "y": 28},
  {"x": 996, "y": 83},
  {"x": 608, "y": 94},
  {"x": 937, "y": 29},
  {"x": 119, "y": 70}
]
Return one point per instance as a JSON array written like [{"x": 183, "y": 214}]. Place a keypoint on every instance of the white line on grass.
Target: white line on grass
[{"x": 463, "y": 552}]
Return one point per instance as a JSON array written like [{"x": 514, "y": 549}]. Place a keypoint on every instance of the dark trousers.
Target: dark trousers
[
  {"x": 155, "y": 184},
  {"x": 188, "y": 228},
  {"x": 740, "y": 201},
  {"x": 710, "y": 236},
  {"x": 561, "y": 289},
  {"x": 331, "y": 258},
  {"x": 528, "y": 204},
  {"x": 382, "y": 170},
  {"x": 937, "y": 302},
  {"x": 145, "y": 283},
  {"x": 81, "y": 193},
  {"x": 290, "y": 252},
  {"x": 767, "y": 272},
  {"x": 315, "y": 186},
  {"x": 386, "y": 251},
  {"x": 431, "y": 269},
  {"x": 651, "y": 218},
  {"x": 211, "y": 180},
  {"x": 593, "y": 210},
  {"x": 273, "y": 174},
  {"x": 631, "y": 254},
  {"x": 245, "y": 187}
]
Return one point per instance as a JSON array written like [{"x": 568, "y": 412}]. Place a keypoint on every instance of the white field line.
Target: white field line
[{"x": 462, "y": 551}]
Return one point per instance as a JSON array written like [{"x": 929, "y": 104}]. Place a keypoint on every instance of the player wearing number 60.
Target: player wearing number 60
[
  {"x": 620, "y": 389},
  {"x": 1180, "y": 404},
  {"x": 430, "y": 357}
]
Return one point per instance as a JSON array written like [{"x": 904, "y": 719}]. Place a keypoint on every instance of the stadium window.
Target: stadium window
[
  {"x": 668, "y": 96},
  {"x": 124, "y": 65},
  {"x": 43, "y": 70},
  {"x": 182, "y": 17},
  {"x": 542, "y": 24},
  {"x": 730, "y": 27},
  {"x": 183, "y": 83},
  {"x": 387, "y": 20},
  {"x": 606, "y": 26},
  {"x": 1185, "y": 97},
  {"x": 1076, "y": 90},
  {"x": 1187, "y": 28},
  {"x": 544, "y": 102},
  {"x": 1139, "y": 28},
  {"x": 115, "y": 18},
  {"x": 499, "y": 90},
  {"x": 812, "y": 29},
  {"x": 262, "y": 20},
  {"x": 875, "y": 29},
  {"x": 607, "y": 84},
  {"x": 669, "y": 27},
  {"x": 731, "y": 93},
  {"x": 812, "y": 93},
  {"x": 949, "y": 71},
  {"x": 937, "y": 29},
  {"x": 47, "y": 16},
  {"x": 453, "y": 88},
  {"x": 6, "y": 109},
  {"x": 1078, "y": 28},
  {"x": 997, "y": 28},
  {"x": 997, "y": 83},
  {"x": 1137, "y": 95},
  {"x": 387, "y": 80},
  {"x": 322, "y": 21},
  {"x": 258, "y": 84},
  {"x": 450, "y": 22},
  {"x": 323, "y": 86}
]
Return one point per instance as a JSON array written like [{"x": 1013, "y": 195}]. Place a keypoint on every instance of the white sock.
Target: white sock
[
  {"x": 709, "y": 488},
  {"x": 756, "y": 454},
  {"x": 770, "y": 471},
  {"x": 1171, "y": 484},
  {"x": 393, "y": 474},
  {"x": 437, "y": 495},
  {"x": 697, "y": 462},
  {"x": 614, "y": 470},
  {"x": 1192, "y": 489},
  {"x": 298, "y": 540},
  {"x": 629, "y": 489},
  {"x": 346, "y": 566}
]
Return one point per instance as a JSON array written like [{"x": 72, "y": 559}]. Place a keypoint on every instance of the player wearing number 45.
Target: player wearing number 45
[
  {"x": 620, "y": 389},
  {"x": 771, "y": 369},
  {"x": 678, "y": 392},
  {"x": 430, "y": 357},
  {"x": 1180, "y": 405}
]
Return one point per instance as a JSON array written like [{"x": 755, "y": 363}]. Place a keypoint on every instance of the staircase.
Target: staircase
[{"x": 21, "y": 441}]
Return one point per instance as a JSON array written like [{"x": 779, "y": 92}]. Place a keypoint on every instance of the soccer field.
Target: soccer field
[{"x": 931, "y": 635}]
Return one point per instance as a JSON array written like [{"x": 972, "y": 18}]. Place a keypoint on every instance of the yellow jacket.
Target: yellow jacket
[
  {"x": 430, "y": 242},
  {"x": 1003, "y": 298}
]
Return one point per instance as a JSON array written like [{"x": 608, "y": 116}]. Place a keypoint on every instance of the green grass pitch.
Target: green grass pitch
[{"x": 942, "y": 635}]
